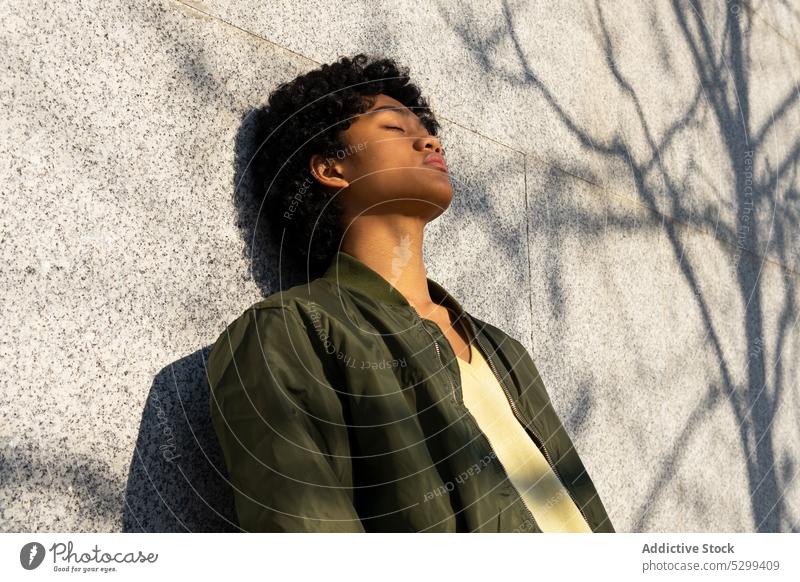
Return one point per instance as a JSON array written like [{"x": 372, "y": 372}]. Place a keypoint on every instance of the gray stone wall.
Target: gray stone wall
[{"x": 627, "y": 205}]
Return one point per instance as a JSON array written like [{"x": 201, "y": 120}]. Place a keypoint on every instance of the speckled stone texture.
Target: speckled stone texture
[{"x": 627, "y": 206}]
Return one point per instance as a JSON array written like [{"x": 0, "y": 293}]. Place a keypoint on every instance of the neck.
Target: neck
[{"x": 391, "y": 245}]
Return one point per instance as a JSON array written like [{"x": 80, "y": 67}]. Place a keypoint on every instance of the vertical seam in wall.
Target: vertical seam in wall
[{"x": 528, "y": 243}]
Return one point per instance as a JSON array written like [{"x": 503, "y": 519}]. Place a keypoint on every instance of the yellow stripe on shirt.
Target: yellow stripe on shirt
[{"x": 528, "y": 470}]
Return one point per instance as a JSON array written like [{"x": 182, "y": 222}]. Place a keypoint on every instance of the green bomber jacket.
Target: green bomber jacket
[{"x": 339, "y": 409}]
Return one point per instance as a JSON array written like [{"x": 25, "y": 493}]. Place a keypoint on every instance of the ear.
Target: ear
[{"x": 328, "y": 172}]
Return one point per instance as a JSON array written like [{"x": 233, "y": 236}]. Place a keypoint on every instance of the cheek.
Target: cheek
[
  {"x": 386, "y": 155},
  {"x": 365, "y": 163},
  {"x": 378, "y": 163}
]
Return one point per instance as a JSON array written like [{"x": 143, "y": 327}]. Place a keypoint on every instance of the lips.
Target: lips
[{"x": 435, "y": 160}]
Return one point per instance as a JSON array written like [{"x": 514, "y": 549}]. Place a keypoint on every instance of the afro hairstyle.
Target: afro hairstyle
[{"x": 306, "y": 116}]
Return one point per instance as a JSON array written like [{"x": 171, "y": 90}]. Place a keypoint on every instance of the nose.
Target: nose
[{"x": 431, "y": 142}]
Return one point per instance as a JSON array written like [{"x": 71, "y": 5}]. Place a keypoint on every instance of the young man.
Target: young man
[{"x": 368, "y": 399}]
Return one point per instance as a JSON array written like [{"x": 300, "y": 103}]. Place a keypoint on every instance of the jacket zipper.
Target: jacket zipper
[
  {"x": 525, "y": 425},
  {"x": 453, "y": 389}
]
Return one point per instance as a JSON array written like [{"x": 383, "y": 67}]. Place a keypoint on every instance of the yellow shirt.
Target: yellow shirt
[{"x": 528, "y": 470}]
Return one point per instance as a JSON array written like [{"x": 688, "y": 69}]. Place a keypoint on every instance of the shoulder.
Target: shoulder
[
  {"x": 292, "y": 304},
  {"x": 278, "y": 316},
  {"x": 297, "y": 299},
  {"x": 276, "y": 328}
]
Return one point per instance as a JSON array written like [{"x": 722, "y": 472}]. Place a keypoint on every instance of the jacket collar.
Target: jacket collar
[{"x": 347, "y": 271}]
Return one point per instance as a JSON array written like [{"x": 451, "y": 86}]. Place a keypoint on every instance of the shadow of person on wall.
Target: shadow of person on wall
[{"x": 177, "y": 480}]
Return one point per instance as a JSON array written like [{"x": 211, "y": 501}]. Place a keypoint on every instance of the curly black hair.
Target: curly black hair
[{"x": 306, "y": 116}]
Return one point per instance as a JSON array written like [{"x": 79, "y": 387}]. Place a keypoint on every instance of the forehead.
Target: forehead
[{"x": 381, "y": 100}]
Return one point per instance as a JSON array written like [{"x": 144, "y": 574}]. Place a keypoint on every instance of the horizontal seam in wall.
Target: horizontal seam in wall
[
  {"x": 310, "y": 60},
  {"x": 626, "y": 199},
  {"x": 597, "y": 189},
  {"x": 777, "y": 32},
  {"x": 237, "y": 27}
]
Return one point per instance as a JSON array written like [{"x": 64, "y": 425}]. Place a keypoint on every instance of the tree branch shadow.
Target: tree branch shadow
[{"x": 724, "y": 89}]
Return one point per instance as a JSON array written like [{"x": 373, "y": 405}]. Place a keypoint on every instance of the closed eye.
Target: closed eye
[{"x": 394, "y": 127}]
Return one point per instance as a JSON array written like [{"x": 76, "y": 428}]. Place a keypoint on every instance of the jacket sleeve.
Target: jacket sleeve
[{"x": 280, "y": 426}]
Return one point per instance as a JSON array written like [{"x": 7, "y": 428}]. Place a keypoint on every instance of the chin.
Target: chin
[
  {"x": 427, "y": 205},
  {"x": 427, "y": 199},
  {"x": 437, "y": 200}
]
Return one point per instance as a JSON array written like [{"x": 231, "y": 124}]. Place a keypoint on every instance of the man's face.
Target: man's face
[{"x": 388, "y": 165}]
